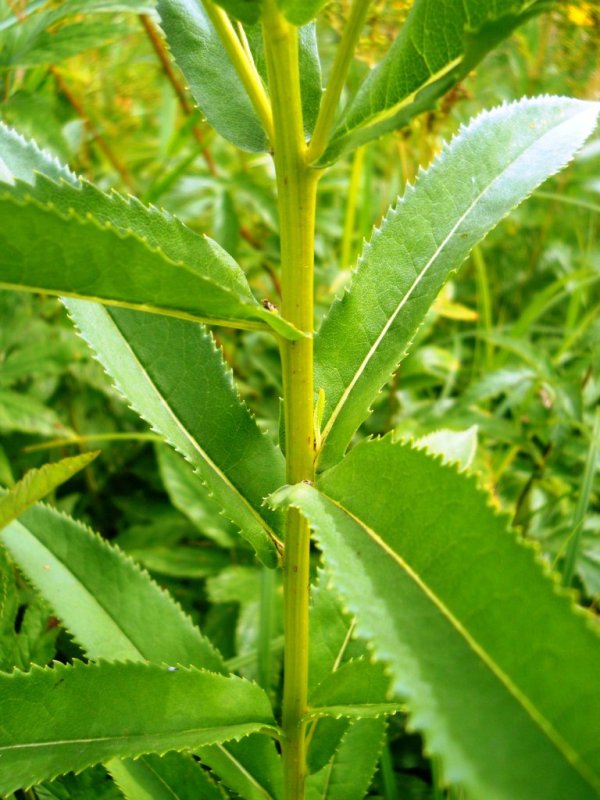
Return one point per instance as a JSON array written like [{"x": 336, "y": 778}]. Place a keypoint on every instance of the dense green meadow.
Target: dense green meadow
[{"x": 490, "y": 421}]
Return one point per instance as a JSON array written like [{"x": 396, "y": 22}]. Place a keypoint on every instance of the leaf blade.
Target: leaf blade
[
  {"x": 112, "y": 250},
  {"x": 191, "y": 708},
  {"x": 148, "y": 357},
  {"x": 490, "y": 167},
  {"x": 504, "y": 634},
  {"x": 37, "y": 483}
]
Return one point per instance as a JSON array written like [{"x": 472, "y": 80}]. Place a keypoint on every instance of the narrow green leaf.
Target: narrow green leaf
[
  {"x": 174, "y": 376},
  {"x": 189, "y": 496},
  {"x": 251, "y": 767},
  {"x": 358, "y": 689},
  {"x": 349, "y": 773},
  {"x": 489, "y": 168},
  {"x": 154, "y": 778},
  {"x": 439, "y": 45},
  {"x": 37, "y": 483},
  {"x": 26, "y": 414},
  {"x": 137, "y": 708},
  {"x": 111, "y": 606},
  {"x": 210, "y": 75},
  {"x": 66, "y": 237},
  {"x": 479, "y": 654}
]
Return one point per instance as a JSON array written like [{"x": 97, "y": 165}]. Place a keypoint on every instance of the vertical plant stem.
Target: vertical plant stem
[{"x": 296, "y": 191}]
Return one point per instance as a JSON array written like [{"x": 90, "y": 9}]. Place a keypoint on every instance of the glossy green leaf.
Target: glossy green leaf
[
  {"x": 37, "y": 483},
  {"x": 489, "y": 168},
  {"x": 20, "y": 412},
  {"x": 174, "y": 776},
  {"x": 174, "y": 376},
  {"x": 66, "y": 237},
  {"x": 112, "y": 607},
  {"x": 349, "y": 773},
  {"x": 438, "y": 45},
  {"x": 210, "y": 75},
  {"x": 188, "y": 708},
  {"x": 488, "y": 632}
]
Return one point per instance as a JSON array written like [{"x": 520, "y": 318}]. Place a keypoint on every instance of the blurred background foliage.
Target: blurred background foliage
[{"x": 509, "y": 357}]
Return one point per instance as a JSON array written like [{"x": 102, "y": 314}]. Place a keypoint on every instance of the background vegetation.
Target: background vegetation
[{"x": 510, "y": 356}]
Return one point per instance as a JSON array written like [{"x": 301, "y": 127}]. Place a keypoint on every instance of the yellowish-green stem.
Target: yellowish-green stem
[
  {"x": 244, "y": 65},
  {"x": 296, "y": 189}
]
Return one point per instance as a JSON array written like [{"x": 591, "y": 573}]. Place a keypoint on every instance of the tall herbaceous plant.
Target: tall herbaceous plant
[{"x": 425, "y": 602}]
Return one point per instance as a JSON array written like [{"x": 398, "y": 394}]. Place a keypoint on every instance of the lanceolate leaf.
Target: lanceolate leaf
[
  {"x": 479, "y": 655},
  {"x": 68, "y": 238},
  {"x": 348, "y": 774},
  {"x": 490, "y": 167},
  {"x": 133, "y": 709},
  {"x": 174, "y": 376},
  {"x": 115, "y": 611},
  {"x": 37, "y": 483},
  {"x": 357, "y": 689},
  {"x": 210, "y": 75},
  {"x": 112, "y": 607},
  {"x": 174, "y": 776},
  {"x": 439, "y": 44}
]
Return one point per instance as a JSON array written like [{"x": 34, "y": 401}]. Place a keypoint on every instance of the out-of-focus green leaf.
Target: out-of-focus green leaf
[
  {"x": 37, "y": 483},
  {"x": 189, "y": 708},
  {"x": 299, "y": 12}
]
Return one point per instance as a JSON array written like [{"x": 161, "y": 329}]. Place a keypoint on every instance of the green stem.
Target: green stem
[
  {"x": 337, "y": 79},
  {"x": 243, "y": 65},
  {"x": 296, "y": 194}
]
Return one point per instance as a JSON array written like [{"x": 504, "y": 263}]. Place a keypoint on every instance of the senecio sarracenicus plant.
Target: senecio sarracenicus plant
[{"x": 424, "y": 602}]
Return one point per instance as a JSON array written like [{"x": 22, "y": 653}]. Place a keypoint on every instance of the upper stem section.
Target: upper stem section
[{"x": 335, "y": 86}]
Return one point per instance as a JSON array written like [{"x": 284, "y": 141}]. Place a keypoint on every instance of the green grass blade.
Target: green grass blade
[
  {"x": 37, "y": 483},
  {"x": 134, "y": 709},
  {"x": 490, "y": 167},
  {"x": 174, "y": 376},
  {"x": 474, "y": 633}
]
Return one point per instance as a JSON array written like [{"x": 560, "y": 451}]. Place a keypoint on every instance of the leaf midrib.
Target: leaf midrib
[
  {"x": 439, "y": 251},
  {"x": 261, "y": 727},
  {"x": 536, "y": 716}
]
